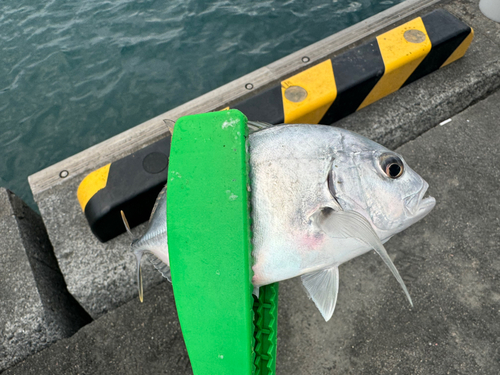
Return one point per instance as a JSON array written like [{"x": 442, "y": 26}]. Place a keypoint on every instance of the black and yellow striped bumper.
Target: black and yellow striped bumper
[
  {"x": 322, "y": 94},
  {"x": 337, "y": 87},
  {"x": 130, "y": 184}
]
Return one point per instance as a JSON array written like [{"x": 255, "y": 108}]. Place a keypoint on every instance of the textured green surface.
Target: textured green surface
[
  {"x": 266, "y": 325},
  {"x": 210, "y": 242}
]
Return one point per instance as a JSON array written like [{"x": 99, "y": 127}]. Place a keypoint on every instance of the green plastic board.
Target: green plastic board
[
  {"x": 210, "y": 241},
  {"x": 266, "y": 329}
]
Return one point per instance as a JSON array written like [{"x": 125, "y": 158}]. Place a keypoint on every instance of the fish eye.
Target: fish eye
[{"x": 392, "y": 165}]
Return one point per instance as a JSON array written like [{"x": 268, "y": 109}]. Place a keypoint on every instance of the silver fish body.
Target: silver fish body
[{"x": 320, "y": 197}]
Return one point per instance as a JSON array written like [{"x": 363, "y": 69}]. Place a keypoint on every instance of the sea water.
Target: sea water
[{"x": 74, "y": 73}]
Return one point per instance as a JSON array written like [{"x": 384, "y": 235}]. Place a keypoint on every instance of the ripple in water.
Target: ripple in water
[{"x": 73, "y": 74}]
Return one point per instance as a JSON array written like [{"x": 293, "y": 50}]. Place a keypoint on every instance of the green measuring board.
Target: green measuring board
[
  {"x": 209, "y": 241},
  {"x": 266, "y": 329}
]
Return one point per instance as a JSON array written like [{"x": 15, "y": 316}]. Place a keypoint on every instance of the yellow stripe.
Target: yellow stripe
[
  {"x": 91, "y": 184},
  {"x": 308, "y": 95},
  {"x": 401, "y": 57},
  {"x": 460, "y": 51}
]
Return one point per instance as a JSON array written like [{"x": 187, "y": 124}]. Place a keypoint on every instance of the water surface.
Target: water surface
[{"x": 73, "y": 74}]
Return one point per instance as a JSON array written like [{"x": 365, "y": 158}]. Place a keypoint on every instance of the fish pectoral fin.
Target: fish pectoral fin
[
  {"x": 351, "y": 224},
  {"x": 322, "y": 287}
]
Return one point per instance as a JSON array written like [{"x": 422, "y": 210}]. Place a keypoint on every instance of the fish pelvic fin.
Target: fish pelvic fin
[
  {"x": 351, "y": 224},
  {"x": 127, "y": 227},
  {"x": 322, "y": 287},
  {"x": 138, "y": 256}
]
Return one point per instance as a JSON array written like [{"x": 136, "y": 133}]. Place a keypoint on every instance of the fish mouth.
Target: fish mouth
[
  {"x": 418, "y": 205},
  {"x": 426, "y": 205}
]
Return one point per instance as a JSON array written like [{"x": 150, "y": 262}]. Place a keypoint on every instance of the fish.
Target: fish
[{"x": 320, "y": 196}]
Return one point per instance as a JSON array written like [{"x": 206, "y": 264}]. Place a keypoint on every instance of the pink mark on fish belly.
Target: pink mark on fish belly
[{"x": 311, "y": 241}]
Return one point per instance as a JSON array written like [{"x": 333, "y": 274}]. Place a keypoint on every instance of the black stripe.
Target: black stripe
[
  {"x": 356, "y": 73},
  {"x": 131, "y": 188},
  {"x": 266, "y": 106},
  {"x": 446, "y": 33}
]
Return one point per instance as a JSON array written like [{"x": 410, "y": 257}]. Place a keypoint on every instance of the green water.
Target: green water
[{"x": 74, "y": 73}]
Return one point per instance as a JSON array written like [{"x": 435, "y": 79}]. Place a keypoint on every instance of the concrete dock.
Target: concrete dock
[{"x": 449, "y": 261}]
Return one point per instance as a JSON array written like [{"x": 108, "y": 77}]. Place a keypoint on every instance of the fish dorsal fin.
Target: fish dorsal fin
[
  {"x": 254, "y": 126},
  {"x": 160, "y": 196},
  {"x": 322, "y": 287},
  {"x": 351, "y": 224},
  {"x": 170, "y": 125}
]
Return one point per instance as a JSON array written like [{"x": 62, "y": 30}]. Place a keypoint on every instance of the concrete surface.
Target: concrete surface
[
  {"x": 102, "y": 276},
  {"x": 418, "y": 107},
  {"x": 449, "y": 261},
  {"x": 35, "y": 307},
  {"x": 137, "y": 338}
]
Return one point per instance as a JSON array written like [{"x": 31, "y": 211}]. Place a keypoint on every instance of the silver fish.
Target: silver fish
[{"x": 320, "y": 196}]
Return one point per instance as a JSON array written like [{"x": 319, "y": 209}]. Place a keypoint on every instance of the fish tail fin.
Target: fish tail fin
[
  {"x": 138, "y": 256},
  {"x": 127, "y": 227}
]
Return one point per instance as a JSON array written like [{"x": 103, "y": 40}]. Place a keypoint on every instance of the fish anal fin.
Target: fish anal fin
[
  {"x": 163, "y": 268},
  {"x": 322, "y": 287}
]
